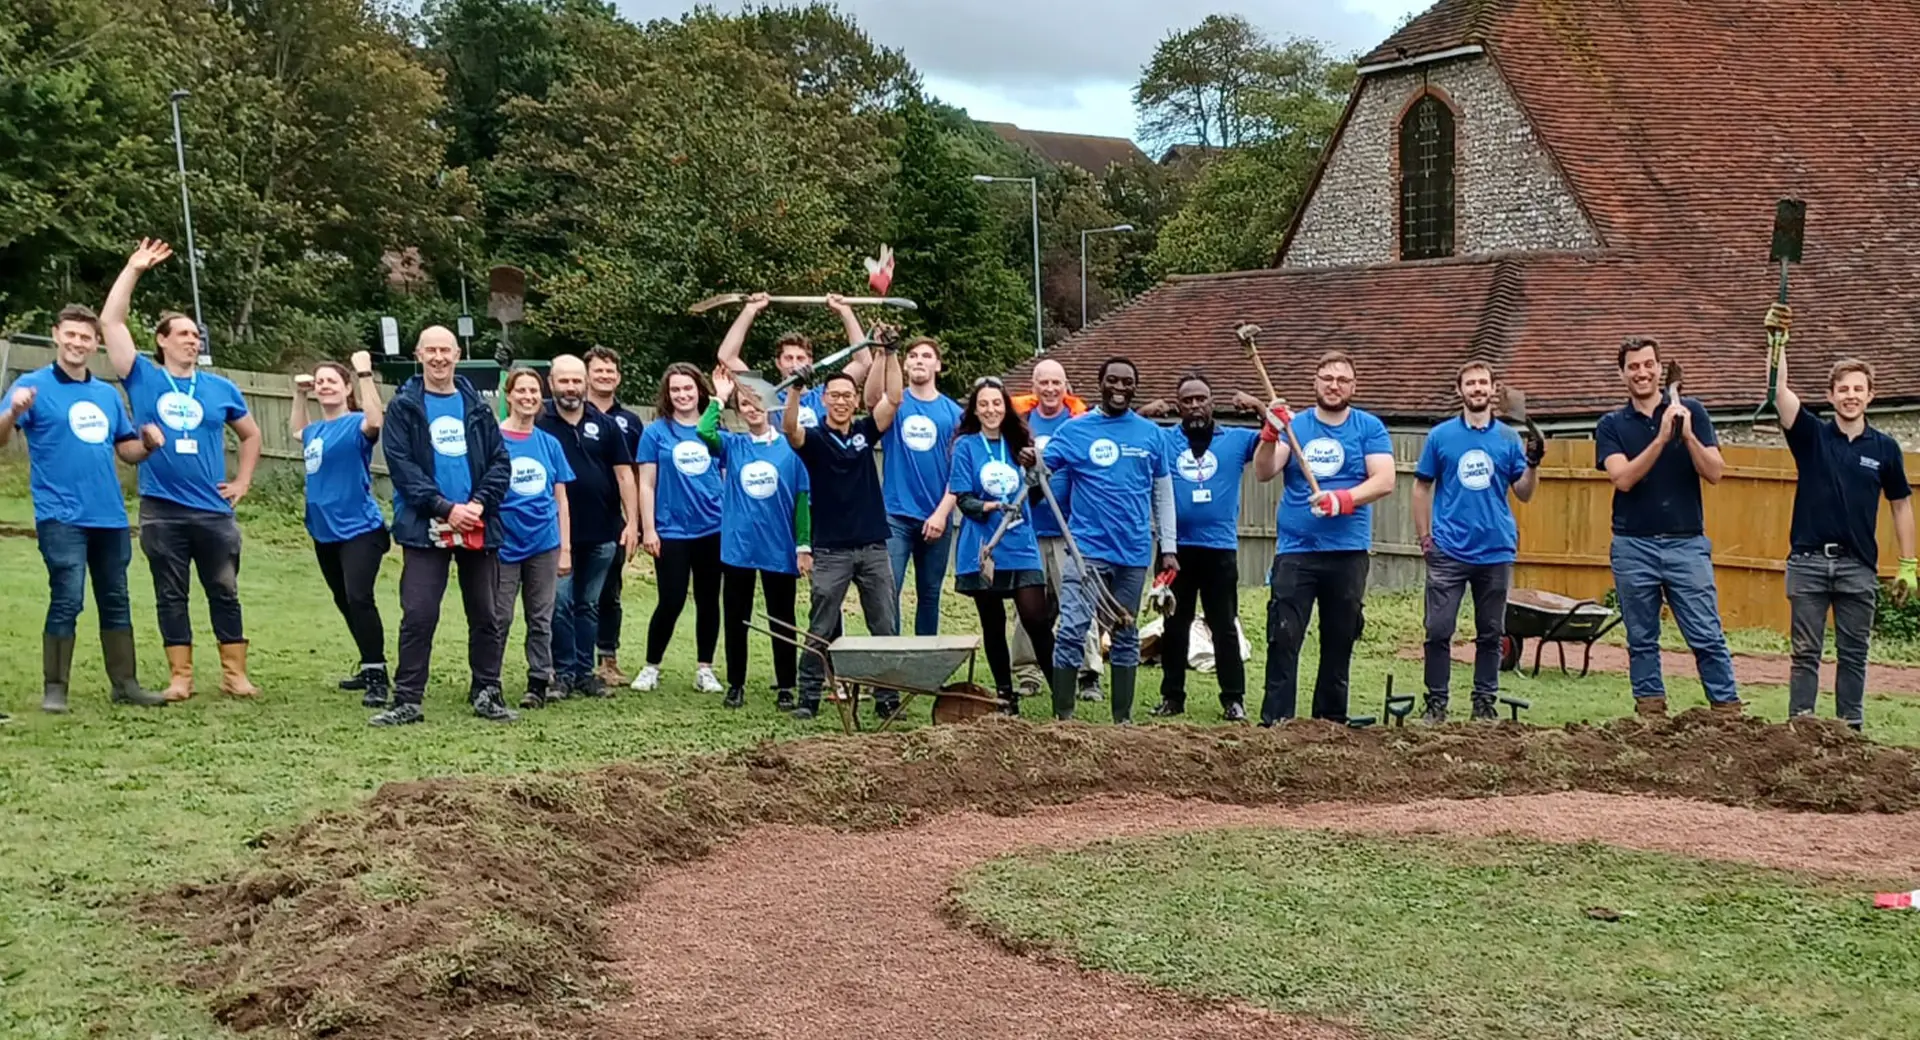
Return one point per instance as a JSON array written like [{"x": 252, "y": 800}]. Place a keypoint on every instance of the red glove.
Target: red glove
[{"x": 1334, "y": 503}]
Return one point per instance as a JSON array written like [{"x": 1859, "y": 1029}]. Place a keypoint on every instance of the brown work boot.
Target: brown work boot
[
  {"x": 180, "y": 667},
  {"x": 609, "y": 671},
  {"x": 1650, "y": 707},
  {"x": 1732, "y": 708},
  {"x": 233, "y": 671}
]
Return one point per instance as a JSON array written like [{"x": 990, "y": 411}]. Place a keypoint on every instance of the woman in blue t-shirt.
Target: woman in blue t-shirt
[
  {"x": 767, "y": 529},
  {"x": 987, "y": 479},
  {"x": 535, "y": 549},
  {"x": 349, "y": 534},
  {"x": 680, "y": 523}
]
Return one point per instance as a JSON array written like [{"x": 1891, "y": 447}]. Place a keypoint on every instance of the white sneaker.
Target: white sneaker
[
  {"x": 648, "y": 679},
  {"x": 706, "y": 682}
]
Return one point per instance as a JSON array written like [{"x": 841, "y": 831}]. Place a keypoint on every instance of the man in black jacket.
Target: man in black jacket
[{"x": 449, "y": 469}]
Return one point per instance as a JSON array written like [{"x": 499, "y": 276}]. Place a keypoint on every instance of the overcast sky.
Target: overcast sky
[{"x": 1067, "y": 65}]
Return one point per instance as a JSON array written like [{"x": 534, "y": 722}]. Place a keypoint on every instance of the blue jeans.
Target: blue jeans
[
  {"x": 576, "y": 610},
  {"x": 1077, "y": 605},
  {"x": 1681, "y": 570},
  {"x": 929, "y": 569},
  {"x": 72, "y": 553}
]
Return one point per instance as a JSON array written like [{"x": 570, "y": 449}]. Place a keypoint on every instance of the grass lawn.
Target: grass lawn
[
  {"x": 105, "y": 804},
  {"x": 1470, "y": 940}
]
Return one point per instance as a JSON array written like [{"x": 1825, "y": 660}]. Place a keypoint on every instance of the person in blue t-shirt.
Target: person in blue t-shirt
[
  {"x": 349, "y": 534},
  {"x": 603, "y": 383},
  {"x": 186, "y": 500},
  {"x": 1468, "y": 535},
  {"x": 987, "y": 480},
  {"x": 680, "y": 492},
  {"x": 1112, "y": 464},
  {"x": 1206, "y": 461},
  {"x": 913, "y": 479},
  {"x": 76, "y": 425},
  {"x": 766, "y": 529},
  {"x": 1320, "y": 555},
  {"x": 794, "y": 351},
  {"x": 536, "y": 545}
]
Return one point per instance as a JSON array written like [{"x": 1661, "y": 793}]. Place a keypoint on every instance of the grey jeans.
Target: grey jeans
[
  {"x": 532, "y": 582},
  {"x": 1847, "y": 587},
  {"x": 1447, "y": 582},
  {"x": 867, "y": 569},
  {"x": 1053, "y": 561}
]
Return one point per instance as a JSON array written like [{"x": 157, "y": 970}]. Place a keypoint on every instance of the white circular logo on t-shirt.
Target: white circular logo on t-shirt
[
  {"x": 1198, "y": 470},
  {"x": 1325, "y": 456},
  {"x": 919, "y": 432},
  {"x": 179, "y": 411},
  {"x": 529, "y": 477},
  {"x": 1476, "y": 470},
  {"x": 999, "y": 479},
  {"x": 449, "y": 436},
  {"x": 88, "y": 422},
  {"x": 691, "y": 458},
  {"x": 1103, "y": 452},
  {"x": 315, "y": 451},
  {"x": 759, "y": 479}
]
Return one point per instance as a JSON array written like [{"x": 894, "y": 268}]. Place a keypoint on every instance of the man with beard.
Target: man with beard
[
  {"x": 1657, "y": 455},
  {"x": 1047, "y": 409},
  {"x": 1320, "y": 554},
  {"x": 1845, "y": 467},
  {"x": 919, "y": 451},
  {"x": 604, "y": 516},
  {"x": 603, "y": 381},
  {"x": 794, "y": 351},
  {"x": 1206, "y": 461},
  {"x": 1112, "y": 465},
  {"x": 1468, "y": 535}
]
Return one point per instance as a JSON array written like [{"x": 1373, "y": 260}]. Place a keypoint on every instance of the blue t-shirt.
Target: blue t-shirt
[
  {"x": 686, "y": 486},
  {"x": 1043, "y": 429},
  {"x": 340, "y": 503},
  {"x": 71, "y": 432},
  {"x": 1471, "y": 471},
  {"x": 763, "y": 481},
  {"x": 919, "y": 450},
  {"x": 1206, "y": 491},
  {"x": 530, "y": 514},
  {"x": 985, "y": 469},
  {"x": 447, "y": 428},
  {"x": 813, "y": 405},
  {"x": 1108, "y": 464},
  {"x": 193, "y": 413},
  {"x": 1338, "y": 455}
]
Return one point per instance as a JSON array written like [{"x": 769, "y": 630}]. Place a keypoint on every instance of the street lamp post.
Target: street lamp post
[
  {"x": 1033, "y": 187},
  {"x": 186, "y": 214},
  {"x": 1083, "y": 263}
]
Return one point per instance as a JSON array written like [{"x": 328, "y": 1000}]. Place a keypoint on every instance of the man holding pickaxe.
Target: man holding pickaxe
[{"x": 1845, "y": 466}]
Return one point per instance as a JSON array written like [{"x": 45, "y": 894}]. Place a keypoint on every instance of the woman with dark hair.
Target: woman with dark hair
[
  {"x": 349, "y": 534},
  {"x": 986, "y": 480},
  {"x": 534, "y": 546},
  {"x": 680, "y": 523}
]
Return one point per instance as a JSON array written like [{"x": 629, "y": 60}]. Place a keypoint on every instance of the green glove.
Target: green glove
[{"x": 1909, "y": 573}]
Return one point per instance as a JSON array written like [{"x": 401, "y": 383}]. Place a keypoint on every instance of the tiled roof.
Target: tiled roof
[
  {"x": 1091, "y": 153},
  {"x": 1679, "y": 124}
]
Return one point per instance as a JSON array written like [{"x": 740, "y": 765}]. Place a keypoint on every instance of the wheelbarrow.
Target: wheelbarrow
[
  {"x": 1552, "y": 618},
  {"x": 911, "y": 665}
]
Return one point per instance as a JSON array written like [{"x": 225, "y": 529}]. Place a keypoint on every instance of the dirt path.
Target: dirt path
[
  {"x": 729, "y": 946},
  {"x": 1749, "y": 669}
]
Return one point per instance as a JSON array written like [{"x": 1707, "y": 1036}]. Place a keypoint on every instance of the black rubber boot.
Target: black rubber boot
[
  {"x": 1064, "y": 692},
  {"x": 1436, "y": 713},
  {"x": 56, "y": 660},
  {"x": 373, "y": 681},
  {"x": 123, "y": 674},
  {"x": 1123, "y": 682}
]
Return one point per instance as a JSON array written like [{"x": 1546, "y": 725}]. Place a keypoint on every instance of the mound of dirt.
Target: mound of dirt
[{"x": 474, "y": 908}]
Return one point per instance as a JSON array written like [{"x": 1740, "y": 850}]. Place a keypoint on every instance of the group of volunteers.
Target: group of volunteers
[{"x": 538, "y": 511}]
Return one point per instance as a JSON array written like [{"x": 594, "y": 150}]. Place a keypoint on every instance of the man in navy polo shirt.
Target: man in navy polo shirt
[
  {"x": 1845, "y": 468},
  {"x": 76, "y": 426},
  {"x": 1657, "y": 452},
  {"x": 186, "y": 500},
  {"x": 919, "y": 458},
  {"x": 1468, "y": 535},
  {"x": 603, "y": 382}
]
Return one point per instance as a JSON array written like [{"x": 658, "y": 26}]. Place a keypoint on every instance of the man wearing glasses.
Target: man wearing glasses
[{"x": 1322, "y": 538}]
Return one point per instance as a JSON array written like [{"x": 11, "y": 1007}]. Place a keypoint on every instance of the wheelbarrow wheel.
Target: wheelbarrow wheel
[{"x": 1510, "y": 649}]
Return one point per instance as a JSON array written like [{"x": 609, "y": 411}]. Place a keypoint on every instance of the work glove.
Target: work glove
[{"x": 1333, "y": 503}]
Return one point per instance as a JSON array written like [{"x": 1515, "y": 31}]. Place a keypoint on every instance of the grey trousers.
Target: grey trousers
[
  {"x": 1817, "y": 584},
  {"x": 867, "y": 569},
  {"x": 1053, "y": 561},
  {"x": 1447, "y": 582},
  {"x": 530, "y": 582}
]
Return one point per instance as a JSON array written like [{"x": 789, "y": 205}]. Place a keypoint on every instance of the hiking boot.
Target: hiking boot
[
  {"x": 179, "y": 674},
  {"x": 1732, "y": 708},
  {"x": 609, "y": 671},
  {"x": 1436, "y": 713},
  {"x": 1123, "y": 684},
  {"x": 1063, "y": 679},
  {"x": 704, "y": 681},
  {"x": 399, "y": 715},
  {"x": 1234, "y": 711},
  {"x": 807, "y": 710},
  {"x": 1650, "y": 707},
  {"x": 123, "y": 671},
  {"x": 536, "y": 695},
  {"x": 783, "y": 700},
  {"x": 648, "y": 680},
  {"x": 1168, "y": 708},
  {"x": 1485, "y": 710},
  {"x": 1009, "y": 703},
  {"x": 56, "y": 660},
  {"x": 1090, "y": 686},
  {"x": 736, "y": 697},
  {"x": 233, "y": 671},
  {"x": 373, "y": 680},
  {"x": 356, "y": 682},
  {"x": 490, "y": 704}
]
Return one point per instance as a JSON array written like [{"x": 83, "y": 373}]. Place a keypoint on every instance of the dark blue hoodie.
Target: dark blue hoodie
[{"x": 409, "y": 451}]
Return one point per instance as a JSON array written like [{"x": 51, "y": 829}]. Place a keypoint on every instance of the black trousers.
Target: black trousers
[
  {"x": 176, "y": 538},
  {"x": 1211, "y": 578},
  {"x": 681, "y": 559},
  {"x": 423, "y": 583},
  {"x": 351, "y": 568},
  {"x": 780, "y": 590},
  {"x": 1337, "y": 582}
]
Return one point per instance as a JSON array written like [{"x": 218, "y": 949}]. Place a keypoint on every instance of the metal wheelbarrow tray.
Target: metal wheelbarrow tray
[{"x": 1552, "y": 618}]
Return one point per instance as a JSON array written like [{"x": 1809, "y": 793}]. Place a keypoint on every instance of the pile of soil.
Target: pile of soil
[{"x": 476, "y": 908}]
